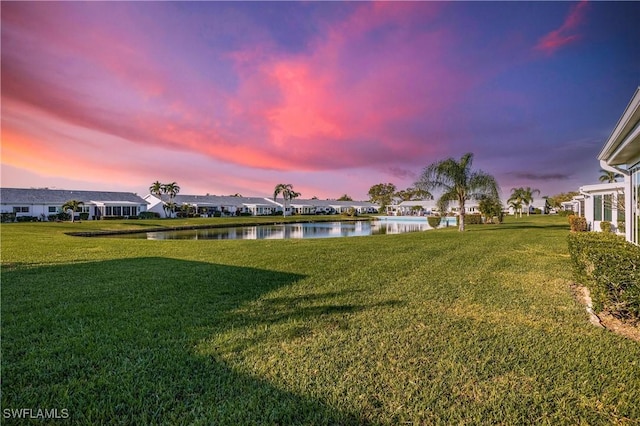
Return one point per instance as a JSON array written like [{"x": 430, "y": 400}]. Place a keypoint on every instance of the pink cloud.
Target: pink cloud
[
  {"x": 567, "y": 33},
  {"x": 346, "y": 102}
]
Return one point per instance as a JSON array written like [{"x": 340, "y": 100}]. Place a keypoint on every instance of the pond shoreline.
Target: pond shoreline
[{"x": 212, "y": 226}]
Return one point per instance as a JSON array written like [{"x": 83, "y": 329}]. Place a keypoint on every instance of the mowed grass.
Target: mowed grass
[{"x": 434, "y": 327}]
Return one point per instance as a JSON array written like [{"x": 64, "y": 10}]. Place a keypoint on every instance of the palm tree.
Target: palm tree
[
  {"x": 528, "y": 196},
  {"x": 516, "y": 205},
  {"x": 609, "y": 177},
  {"x": 288, "y": 194},
  {"x": 171, "y": 189},
  {"x": 72, "y": 205},
  {"x": 156, "y": 189},
  {"x": 522, "y": 196},
  {"x": 458, "y": 183}
]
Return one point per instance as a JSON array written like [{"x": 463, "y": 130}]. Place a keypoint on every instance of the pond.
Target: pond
[{"x": 290, "y": 230}]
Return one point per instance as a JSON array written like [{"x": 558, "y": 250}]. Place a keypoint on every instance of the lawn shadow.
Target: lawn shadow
[{"x": 113, "y": 342}]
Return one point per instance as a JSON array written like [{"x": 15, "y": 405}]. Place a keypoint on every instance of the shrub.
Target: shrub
[
  {"x": 605, "y": 226},
  {"x": 7, "y": 217},
  {"x": 577, "y": 223},
  {"x": 149, "y": 215},
  {"x": 351, "y": 212},
  {"x": 26, "y": 219},
  {"x": 434, "y": 221},
  {"x": 470, "y": 219},
  {"x": 609, "y": 267},
  {"x": 84, "y": 216}
]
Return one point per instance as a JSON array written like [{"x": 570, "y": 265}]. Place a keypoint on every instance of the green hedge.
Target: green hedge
[
  {"x": 470, "y": 219},
  {"x": 609, "y": 267}
]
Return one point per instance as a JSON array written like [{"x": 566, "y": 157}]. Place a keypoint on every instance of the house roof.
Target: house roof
[
  {"x": 623, "y": 145},
  {"x": 61, "y": 196},
  {"x": 603, "y": 187},
  {"x": 217, "y": 200}
]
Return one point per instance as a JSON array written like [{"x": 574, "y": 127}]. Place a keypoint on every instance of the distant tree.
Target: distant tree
[
  {"x": 555, "y": 201},
  {"x": 528, "y": 196},
  {"x": 516, "y": 205},
  {"x": 169, "y": 208},
  {"x": 609, "y": 177},
  {"x": 490, "y": 207},
  {"x": 157, "y": 189},
  {"x": 382, "y": 194},
  {"x": 517, "y": 198},
  {"x": 171, "y": 189},
  {"x": 288, "y": 194},
  {"x": 186, "y": 210},
  {"x": 413, "y": 194},
  {"x": 458, "y": 182},
  {"x": 74, "y": 206},
  {"x": 345, "y": 197}
]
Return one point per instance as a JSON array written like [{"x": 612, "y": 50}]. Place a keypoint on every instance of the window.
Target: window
[
  {"x": 126, "y": 211},
  {"x": 607, "y": 207},
  {"x": 53, "y": 209},
  {"x": 21, "y": 209},
  {"x": 597, "y": 207}
]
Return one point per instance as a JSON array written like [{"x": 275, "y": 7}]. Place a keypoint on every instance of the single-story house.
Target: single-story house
[
  {"x": 621, "y": 154},
  {"x": 603, "y": 203},
  {"x": 209, "y": 205},
  {"x": 575, "y": 205},
  {"x": 415, "y": 207},
  {"x": 43, "y": 204}
]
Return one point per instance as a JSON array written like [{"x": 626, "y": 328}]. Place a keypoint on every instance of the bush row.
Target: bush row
[{"x": 608, "y": 266}]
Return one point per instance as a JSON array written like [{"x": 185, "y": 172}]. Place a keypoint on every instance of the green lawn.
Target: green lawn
[{"x": 435, "y": 327}]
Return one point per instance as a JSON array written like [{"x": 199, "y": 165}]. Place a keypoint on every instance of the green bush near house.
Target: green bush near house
[
  {"x": 434, "y": 221},
  {"x": 609, "y": 267},
  {"x": 577, "y": 223},
  {"x": 470, "y": 219},
  {"x": 149, "y": 215},
  {"x": 605, "y": 226}
]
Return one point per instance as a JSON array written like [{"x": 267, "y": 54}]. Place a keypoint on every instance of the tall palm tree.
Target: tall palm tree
[
  {"x": 171, "y": 189},
  {"x": 288, "y": 194},
  {"x": 516, "y": 205},
  {"x": 458, "y": 183},
  {"x": 609, "y": 177},
  {"x": 72, "y": 205},
  {"x": 516, "y": 200},
  {"x": 156, "y": 189},
  {"x": 528, "y": 193}
]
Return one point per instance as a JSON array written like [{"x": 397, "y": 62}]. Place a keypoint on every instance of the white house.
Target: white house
[
  {"x": 575, "y": 205},
  {"x": 621, "y": 154},
  {"x": 603, "y": 203},
  {"x": 43, "y": 204},
  {"x": 210, "y": 205}
]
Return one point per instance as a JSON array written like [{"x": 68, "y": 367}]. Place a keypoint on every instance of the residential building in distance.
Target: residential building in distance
[{"x": 44, "y": 204}]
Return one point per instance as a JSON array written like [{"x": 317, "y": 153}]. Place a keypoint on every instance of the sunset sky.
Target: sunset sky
[{"x": 236, "y": 97}]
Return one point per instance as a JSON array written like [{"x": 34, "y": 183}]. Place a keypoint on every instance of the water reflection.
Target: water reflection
[{"x": 288, "y": 231}]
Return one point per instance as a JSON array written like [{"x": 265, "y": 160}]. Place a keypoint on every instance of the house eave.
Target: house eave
[{"x": 622, "y": 145}]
